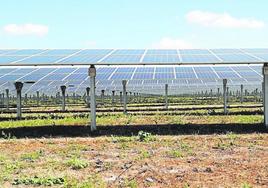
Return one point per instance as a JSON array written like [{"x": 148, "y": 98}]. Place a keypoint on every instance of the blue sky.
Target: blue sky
[{"x": 133, "y": 24}]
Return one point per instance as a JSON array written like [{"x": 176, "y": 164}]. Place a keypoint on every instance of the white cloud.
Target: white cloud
[
  {"x": 26, "y": 29},
  {"x": 225, "y": 20},
  {"x": 170, "y": 43}
]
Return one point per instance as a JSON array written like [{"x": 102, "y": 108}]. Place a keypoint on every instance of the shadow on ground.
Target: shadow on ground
[{"x": 129, "y": 130}]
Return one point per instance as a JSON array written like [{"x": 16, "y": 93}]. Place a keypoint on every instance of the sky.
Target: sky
[{"x": 133, "y": 24}]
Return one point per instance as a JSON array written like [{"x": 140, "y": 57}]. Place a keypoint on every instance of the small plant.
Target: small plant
[
  {"x": 131, "y": 183},
  {"x": 38, "y": 181},
  {"x": 77, "y": 164},
  {"x": 32, "y": 156},
  {"x": 144, "y": 136},
  {"x": 176, "y": 154},
  {"x": 246, "y": 185}
]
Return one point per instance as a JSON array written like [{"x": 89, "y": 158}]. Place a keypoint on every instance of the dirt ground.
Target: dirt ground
[{"x": 227, "y": 160}]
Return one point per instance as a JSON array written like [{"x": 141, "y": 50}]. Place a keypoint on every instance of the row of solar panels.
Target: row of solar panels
[
  {"x": 127, "y": 56},
  {"x": 144, "y": 77}
]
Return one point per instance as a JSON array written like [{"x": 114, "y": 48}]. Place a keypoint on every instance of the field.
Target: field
[{"x": 192, "y": 144}]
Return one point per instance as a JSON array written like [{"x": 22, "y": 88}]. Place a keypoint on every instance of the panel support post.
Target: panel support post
[
  {"x": 166, "y": 96},
  {"x": 63, "y": 90},
  {"x": 88, "y": 96},
  {"x": 37, "y": 98},
  {"x": 218, "y": 94},
  {"x": 121, "y": 97},
  {"x": 18, "y": 86},
  {"x": 241, "y": 93},
  {"x": 265, "y": 93},
  {"x": 92, "y": 74},
  {"x": 7, "y": 99},
  {"x": 225, "y": 96},
  {"x": 102, "y": 97},
  {"x": 113, "y": 94},
  {"x": 124, "y": 82}
]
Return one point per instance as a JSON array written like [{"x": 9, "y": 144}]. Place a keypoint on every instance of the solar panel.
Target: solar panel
[
  {"x": 39, "y": 60},
  {"x": 161, "y": 59},
  {"x": 121, "y": 76},
  {"x": 200, "y": 59},
  {"x": 164, "y": 69},
  {"x": 161, "y": 52},
  {"x": 10, "y": 59},
  {"x": 128, "y": 52},
  {"x": 142, "y": 76},
  {"x": 122, "y": 59},
  {"x": 164, "y": 76},
  {"x": 237, "y": 58},
  {"x": 60, "y": 52},
  {"x": 85, "y": 59},
  {"x": 26, "y": 52},
  {"x": 195, "y": 52}
]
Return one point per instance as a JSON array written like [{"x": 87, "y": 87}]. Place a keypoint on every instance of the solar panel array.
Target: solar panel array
[
  {"x": 27, "y": 57},
  {"x": 140, "y": 78}
]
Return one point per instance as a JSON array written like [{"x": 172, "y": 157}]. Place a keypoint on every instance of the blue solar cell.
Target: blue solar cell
[
  {"x": 164, "y": 69},
  {"x": 228, "y": 75},
  {"x": 161, "y": 59},
  {"x": 185, "y": 75},
  {"x": 55, "y": 77},
  {"x": 248, "y": 74},
  {"x": 60, "y": 52},
  {"x": 94, "y": 52},
  {"x": 24, "y": 70},
  {"x": 105, "y": 82},
  {"x": 80, "y": 77},
  {"x": 125, "y": 70},
  {"x": 128, "y": 52},
  {"x": 201, "y": 75},
  {"x": 32, "y": 77},
  {"x": 161, "y": 52},
  {"x": 184, "y": 69},
  {"x": 203, "y": 69},
  {"x": 226, "y": 51},
  {"x": 216, "y": 68},
  {"x": 161, "y": 76},
  {"x": 262, "y": 56},
  {"x": 145, "y": 69},
  {"x": 256, "y": 50},
  {"x": 83, "y": 71},
  {"x": 195, "y": 52},
  {"x": 11, "y": 78},
  {"x": 64, "y": 70},
  {"x": 44, "y": 70},
  {"x": 200, "y": 59},
  {"x": 143, "y": 76},
  {"x": 81, "y": 59},
  {"x": 241, "y": 68},
  {"x": 121, "y": 76},
  {"x": 122, "y": 58},
  {"x": 26, "y": 52},
  {"x": 35, "y": 60},
  {"x": 102, "y": 76},
  {"x": 10, "y": 59},
  {"x": 105, "y": 70},
  {"x": 6, "y": 71},
  {"x": 254, "y": 79},
  {"x": 237, "y": 58}
]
